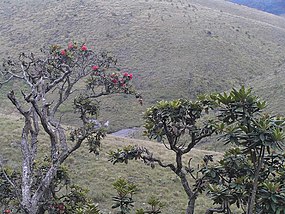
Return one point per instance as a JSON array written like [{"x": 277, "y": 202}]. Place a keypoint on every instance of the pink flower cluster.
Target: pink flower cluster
[
  {"x": 118, "y": 80},
  {"x": 114, "y": 81},
  {"x": 126, "y": 74},
  {"x": 95, "y": 67},
  {"x": 71, "y": 46},
  {"x": 63, "y": 52},
  {"x": 121, "y": 79},
  {"x": 84, "y": 48}
]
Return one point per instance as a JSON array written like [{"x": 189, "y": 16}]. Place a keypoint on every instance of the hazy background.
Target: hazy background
[{"x": 271, "y": 6}]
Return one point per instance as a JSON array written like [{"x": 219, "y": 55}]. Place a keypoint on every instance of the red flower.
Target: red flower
[
  {"x": 125, "y": 74},
  {"x": 70, "y": 45},
  {"x": 61, "y": 206},
  {"x": 7, "y": 211},
  {"x": 130, "y": 76},
  {"x": 122, "y": 82},
  {"x": 84, "y": 48},
  {"x": 95, "y": 67},
  {"x": 63, "y": 52},
  {"x": 114, "y": 81}
]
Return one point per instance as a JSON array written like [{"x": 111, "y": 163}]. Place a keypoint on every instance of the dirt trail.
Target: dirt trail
[{"x": 124, "y": 132}]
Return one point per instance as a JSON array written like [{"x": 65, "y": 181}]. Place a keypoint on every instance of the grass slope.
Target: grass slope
[
  {"x": 175, "y": 48},
  {"x": 97, "y": 174}
]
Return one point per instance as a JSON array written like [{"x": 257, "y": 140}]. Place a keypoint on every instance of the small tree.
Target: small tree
[
  {"x": 49, "y": 81},
  {"x": 124, "y": 198},
  {"x": 168, "y": 122},
  {"x": 155, "y": 206},
  {"x": 251, "y": 175}
]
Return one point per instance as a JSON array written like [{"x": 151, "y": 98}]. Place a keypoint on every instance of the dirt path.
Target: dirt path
[{"x": 124, "y": 132}]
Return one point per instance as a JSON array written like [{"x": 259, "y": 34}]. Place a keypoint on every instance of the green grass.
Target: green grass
[
  {"x": 159, "y": 182},
  {"x": 98, "y": 174},
  {"x": 174, "y": 48}
]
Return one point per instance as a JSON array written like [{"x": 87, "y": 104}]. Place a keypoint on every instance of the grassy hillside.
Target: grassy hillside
[
  {"x": 98, "y": 174},
  {"x": 174, "y": 48}
]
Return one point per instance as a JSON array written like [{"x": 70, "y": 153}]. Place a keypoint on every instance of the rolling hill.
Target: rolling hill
[{"x": 175, "y": 48}]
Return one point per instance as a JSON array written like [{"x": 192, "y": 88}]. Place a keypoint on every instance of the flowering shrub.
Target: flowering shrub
[
  {"x": 101, "y": 67},
  {"x": 84, "y": 47},
  {"x": 50, "y": 79}
]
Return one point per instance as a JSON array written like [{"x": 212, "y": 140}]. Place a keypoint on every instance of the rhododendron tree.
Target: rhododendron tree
[{"x": 49, "y": 79}]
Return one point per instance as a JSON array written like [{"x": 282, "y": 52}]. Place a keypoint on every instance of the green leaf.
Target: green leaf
[{"x": 115, "y": 206}]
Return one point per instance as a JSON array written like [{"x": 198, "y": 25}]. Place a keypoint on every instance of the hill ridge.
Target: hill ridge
[
  {"x": 245, "y": 10},
  {"x": 174, "y": 48}
]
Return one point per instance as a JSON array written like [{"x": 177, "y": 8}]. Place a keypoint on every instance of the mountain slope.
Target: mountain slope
[
  {"x": 174, "y": 48},
  {"x": 97, "y": 173}
]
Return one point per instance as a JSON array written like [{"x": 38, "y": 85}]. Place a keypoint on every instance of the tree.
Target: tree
[
  {"x": 73, "y": 200},
  {"x": 124, "y": 198},
  {"x": 49, "y": 80},
  {"x": 155, "y": 206},
  {"x": 250, "y": 175},
  {"x": 179, "y": 126}
]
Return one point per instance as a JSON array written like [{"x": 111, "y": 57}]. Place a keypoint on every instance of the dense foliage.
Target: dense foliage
[{"x": 251, "y": 174}]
